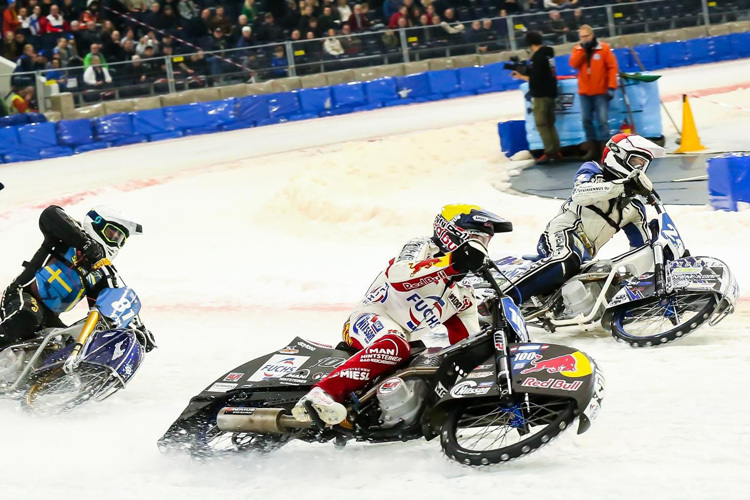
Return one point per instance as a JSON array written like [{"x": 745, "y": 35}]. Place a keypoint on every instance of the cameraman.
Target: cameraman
[{"x": 540, "y": 73}]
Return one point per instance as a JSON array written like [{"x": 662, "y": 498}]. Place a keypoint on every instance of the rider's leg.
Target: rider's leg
[
  {"x": 383, "y": 347},
  {"x": 22, "y": 316},
  {"x": 565, "y": 254}
]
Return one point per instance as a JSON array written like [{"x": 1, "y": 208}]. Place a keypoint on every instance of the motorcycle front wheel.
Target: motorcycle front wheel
[
  {"x": 488, "y": 432},
  {"x": 58, "y": 391},
  {"x": 660, "y": 320}
]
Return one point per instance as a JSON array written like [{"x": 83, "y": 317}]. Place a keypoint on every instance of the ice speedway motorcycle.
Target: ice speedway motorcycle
[
  {"x": 92, "y": 359},
  {"x": 492, "y": 397},
  {"x": 646, "y": 297}
]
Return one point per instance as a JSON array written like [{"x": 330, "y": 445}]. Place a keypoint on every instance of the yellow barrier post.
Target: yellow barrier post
[{"x": 689, "y": 142}]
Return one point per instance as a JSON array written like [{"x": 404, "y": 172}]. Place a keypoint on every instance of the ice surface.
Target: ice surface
[{"x": 255, "y": 236}]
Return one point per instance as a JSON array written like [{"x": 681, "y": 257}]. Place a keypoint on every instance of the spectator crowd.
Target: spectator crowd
[{"x": 123, "y": 43}]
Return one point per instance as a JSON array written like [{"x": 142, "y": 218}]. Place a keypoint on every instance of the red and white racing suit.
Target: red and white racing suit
[{"x": 417, "y": 292}]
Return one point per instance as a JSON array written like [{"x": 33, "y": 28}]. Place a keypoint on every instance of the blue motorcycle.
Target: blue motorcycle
[{"x": 63, "y": 368}]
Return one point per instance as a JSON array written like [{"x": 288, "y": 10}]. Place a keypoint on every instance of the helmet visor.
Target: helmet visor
[
  {"x": 113, "y": 235},
  {"x": 638, "y": 162},
  {"x": 479, "y": 236}
]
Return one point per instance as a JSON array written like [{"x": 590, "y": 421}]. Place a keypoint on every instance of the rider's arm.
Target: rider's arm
[
  {"x": 590, "y": 187},
  {"x": 462, "y": 324},
  {"x": 57, "y": 225},
  {"x": 636, "y": 227},
  {"x": 97, "y": 280}
]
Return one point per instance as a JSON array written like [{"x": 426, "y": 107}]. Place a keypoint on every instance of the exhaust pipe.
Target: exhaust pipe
[{"x": 257, "y": 420}]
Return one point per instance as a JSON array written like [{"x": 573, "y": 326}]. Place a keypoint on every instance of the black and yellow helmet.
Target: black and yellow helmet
[{"x": 456, "y": 224}]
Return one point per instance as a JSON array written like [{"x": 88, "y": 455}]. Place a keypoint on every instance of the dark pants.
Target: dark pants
[
  {"x": 595, "y": 107},
  {"x": 544, "y": 117},
  {"x": 22, "y": 316}
]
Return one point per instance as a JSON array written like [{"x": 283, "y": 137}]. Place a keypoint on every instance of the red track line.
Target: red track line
[{"x": 704, "y": 92}]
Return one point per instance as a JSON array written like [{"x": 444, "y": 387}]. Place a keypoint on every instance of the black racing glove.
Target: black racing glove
[
  {"x": 469, "y": 256},
  {"x": 92, "y": 252},
  {"x": 147, "y": 340}
]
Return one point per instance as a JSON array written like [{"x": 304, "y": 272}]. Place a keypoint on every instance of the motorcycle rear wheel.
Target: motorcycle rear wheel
[
  {"x": 658, "y": 321},
  {"x": 487, "y": 433},
  {"x": 58, "y": 391}
]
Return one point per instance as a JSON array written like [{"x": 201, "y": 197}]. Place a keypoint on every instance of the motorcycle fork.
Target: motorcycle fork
[{"x": 659, "y": 276}]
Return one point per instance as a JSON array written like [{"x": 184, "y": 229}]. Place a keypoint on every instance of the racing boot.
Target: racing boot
[{"x": 328, "y": 410}]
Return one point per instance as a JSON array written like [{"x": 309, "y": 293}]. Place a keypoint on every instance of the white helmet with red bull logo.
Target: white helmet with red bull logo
[
  {"x": 456, "y": 224},
  {"x": 624, "y": 153}
]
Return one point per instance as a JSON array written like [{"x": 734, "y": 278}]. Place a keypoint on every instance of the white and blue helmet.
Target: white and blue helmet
[{"x": 110, "y": 228}]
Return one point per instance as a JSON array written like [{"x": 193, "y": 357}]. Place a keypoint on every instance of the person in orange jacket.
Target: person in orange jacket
[{"x": 597, "y": 81}]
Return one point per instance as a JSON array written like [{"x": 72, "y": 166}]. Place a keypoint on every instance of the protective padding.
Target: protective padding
[
  {"x": 444, "y": 81},
  {"x": 648, "y": 56},
  {"x": 741, "y": 43},
  {"x": 8, "y": 139},
  {"x": 90, "y": 147},
  {"x": 672, "y": 54},
  {"x": 35, "y": 118},
  {"x": 75, "y": 133},
  {"x": 315, "y": 100},
  {"x": 38, "y": 135},
  {"x": 500, "y": 78},
  {"x": 562, "y": 66},
  {"x": 414, "y": 86},
  {"x": 348, "y": 95},
  {"x": 512, "y": 137},
  {"x": 721, "y": 48},
  {"x": 474, "y": 79},
  {"x": 113, "y": 127},
  {"x": 251, "y": 110},
  {"x": 220, "y": 112},
  {"x": 150, "y": 122},
  {"x": 21, "y": 154},
  {"x": 729, "y": 181},
  {"x": 283, "y": 105},
  {"x": 162, "y": 136},
  {"x": 699, "y": 50},
  {"x": 381, "y": 91},
  {"x": 13, "y": 120},
  {"x": 55, "y": 152},
  {"x": 187, "y": 116}
]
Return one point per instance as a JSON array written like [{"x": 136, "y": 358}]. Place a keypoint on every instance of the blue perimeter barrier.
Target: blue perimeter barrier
[
  {"x": 33, "y": 141},
  {"x": 729, "y": 181}
]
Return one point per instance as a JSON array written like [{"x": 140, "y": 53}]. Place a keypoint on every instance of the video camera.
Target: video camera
[{"x": 515, "y": 64}]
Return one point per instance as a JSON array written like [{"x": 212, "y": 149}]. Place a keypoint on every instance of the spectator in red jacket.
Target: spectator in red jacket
[
  {"x": 357, "y": 21},
  {"x": 54, "y": 22}
]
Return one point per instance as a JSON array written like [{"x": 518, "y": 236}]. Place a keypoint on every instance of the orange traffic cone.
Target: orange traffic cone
[{"x": 689, "y": 142}]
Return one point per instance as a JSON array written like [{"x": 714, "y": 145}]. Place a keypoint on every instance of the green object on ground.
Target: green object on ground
[{"x": 640, "y": 77}]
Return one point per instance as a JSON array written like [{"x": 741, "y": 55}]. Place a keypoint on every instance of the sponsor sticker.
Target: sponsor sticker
[
  {"x": 480, "y": 374},
  {"x": 277, "y": 366},
  {"x": 234, "y": 377},
  {"x": 468, "y": 389},
  {"x": 552, "y": 383},
  {"x": 221, "y": 387}
]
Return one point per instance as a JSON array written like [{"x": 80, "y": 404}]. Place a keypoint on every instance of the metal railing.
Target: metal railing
[{"x": 258, "y": 63}]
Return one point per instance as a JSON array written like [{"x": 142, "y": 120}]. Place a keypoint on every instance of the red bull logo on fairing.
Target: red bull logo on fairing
[
  {"x": 423, "y": 311},
  {"x": 566, "y": 363},
  {"x": 574, "y": 365}
]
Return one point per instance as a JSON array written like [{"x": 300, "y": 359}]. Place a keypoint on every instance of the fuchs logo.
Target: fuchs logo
[
  {"x": 233, "y": 377},
  {"x": 277, "y": 366},
  {"x": 467, "y": 389},
  {"x": 429, "y": 310}
]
